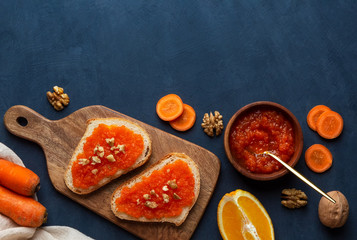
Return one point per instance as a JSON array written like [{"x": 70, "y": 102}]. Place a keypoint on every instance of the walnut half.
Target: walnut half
[
  {"x": 58, "y": 98},
  {"x": 292, "y": 198},
  {"x": 212, "y": 123}
]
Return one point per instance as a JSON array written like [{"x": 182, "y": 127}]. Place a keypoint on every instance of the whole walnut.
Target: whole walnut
[{"x": 334, "y": 215}]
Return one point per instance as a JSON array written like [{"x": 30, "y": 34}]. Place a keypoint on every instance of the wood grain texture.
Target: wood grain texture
[{"x": 59, "y": 138}]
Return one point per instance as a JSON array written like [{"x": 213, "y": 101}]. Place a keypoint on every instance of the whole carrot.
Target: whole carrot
[
  {"x": 25, "y": 211},
  {"x": 19, "y": 179}
]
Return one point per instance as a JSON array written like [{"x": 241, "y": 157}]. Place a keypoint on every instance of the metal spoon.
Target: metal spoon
[{"x": 300, "y": 176}]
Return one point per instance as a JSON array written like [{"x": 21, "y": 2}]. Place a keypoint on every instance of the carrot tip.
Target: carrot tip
[
  {"x": 37, "y": 188},
  {"x": 45, "y": 217}
]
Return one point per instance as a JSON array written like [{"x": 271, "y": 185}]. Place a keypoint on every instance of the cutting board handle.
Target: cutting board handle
[{"x": 26, "y": 123}]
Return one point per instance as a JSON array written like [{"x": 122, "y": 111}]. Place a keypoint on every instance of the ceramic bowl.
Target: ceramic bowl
[{"x": 297, "y": 133}]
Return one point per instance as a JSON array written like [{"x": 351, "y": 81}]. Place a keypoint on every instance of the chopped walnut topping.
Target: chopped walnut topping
[
  {"x": 177, "y": 197},
  {"x": 166, "y": 198},
  {"x": 293, "y": 198},
  {"x": 153, "y": 193},
  {"x": 146, "y": 196},
  {"x": 119, "y": 148},
  {"x": 212, "y": 122},
  {"x": 110, "y": 141},
  {"x": 111, "y": 158},
  {"x": 165, "y": 188},
  {"x": 137, "y": 201},
  {"x": 99, "y": 150},
  {"x": 95, "y": 160},
  {"x": 95, "y": 171},
  {"x": 151, "y": 204},
  {"x": 172, "y": 184},
  {"x": 83, "y": 161},
  {"x": 58, "y": 98}
]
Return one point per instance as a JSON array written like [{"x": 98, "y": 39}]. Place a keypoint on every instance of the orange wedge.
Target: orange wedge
[{"x": 240, "y": 215}]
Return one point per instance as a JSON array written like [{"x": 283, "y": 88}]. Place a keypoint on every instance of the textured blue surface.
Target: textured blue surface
[{"x": 217, "y": 55}]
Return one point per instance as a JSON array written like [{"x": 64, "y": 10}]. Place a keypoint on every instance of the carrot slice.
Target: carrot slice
[
  {"x": 314, "y": 114},
  {"x": 25, "y": 211},
  {"x": 318, "y": 158},
  {"x": 329, "y": 125},
  {"x": 186, "y": 120},
  {"x": 169, "y": 107},
  {"x": 19, "y": 179}
]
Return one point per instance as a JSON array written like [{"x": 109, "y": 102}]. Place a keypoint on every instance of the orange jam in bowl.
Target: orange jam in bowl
[
  {"x": 89, "y": 174},
  {"x": 262, "y": 130},
  {"x": 147, "y": 197}
]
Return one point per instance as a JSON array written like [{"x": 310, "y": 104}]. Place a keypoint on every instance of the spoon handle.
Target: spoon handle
[{"x": 300, "y": 176}]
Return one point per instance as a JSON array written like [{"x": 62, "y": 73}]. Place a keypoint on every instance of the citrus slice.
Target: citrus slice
[{"x": 240, "y": 215}]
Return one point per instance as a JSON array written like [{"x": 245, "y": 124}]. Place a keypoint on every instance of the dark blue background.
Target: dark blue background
[{"x": 217, "y": 55}]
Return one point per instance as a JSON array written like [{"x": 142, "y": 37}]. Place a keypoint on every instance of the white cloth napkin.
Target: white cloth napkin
[{"x": 9, "y": 230}]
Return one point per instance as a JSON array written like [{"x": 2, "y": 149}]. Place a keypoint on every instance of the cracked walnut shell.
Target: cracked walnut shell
[
  {"x": 58, "y": 98},
  {"x": 292, "y": 198},
  {"x": 212, "y": 123}
]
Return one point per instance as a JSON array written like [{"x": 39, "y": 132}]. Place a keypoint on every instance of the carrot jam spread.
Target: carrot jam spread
[
  {"x": 258, "y": 131},
  {"x": 109, "y": 149},
  {"x": 162, "y": 194}
]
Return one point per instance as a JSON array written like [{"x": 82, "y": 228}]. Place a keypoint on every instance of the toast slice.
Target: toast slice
[
  {"x": 97, "y": 158},
  {"x": 156, "y": 198}
]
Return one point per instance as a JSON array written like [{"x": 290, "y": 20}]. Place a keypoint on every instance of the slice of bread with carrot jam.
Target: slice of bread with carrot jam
[
  {"x": 165, "y": 192},
  {"x": 109, "y": 148}
]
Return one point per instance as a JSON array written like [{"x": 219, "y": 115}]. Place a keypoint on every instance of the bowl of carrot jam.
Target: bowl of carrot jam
[{"x": 258, "y": 127}]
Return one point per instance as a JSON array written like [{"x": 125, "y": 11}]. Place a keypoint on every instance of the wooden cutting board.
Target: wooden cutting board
[{"x": 59, "y": 138}]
